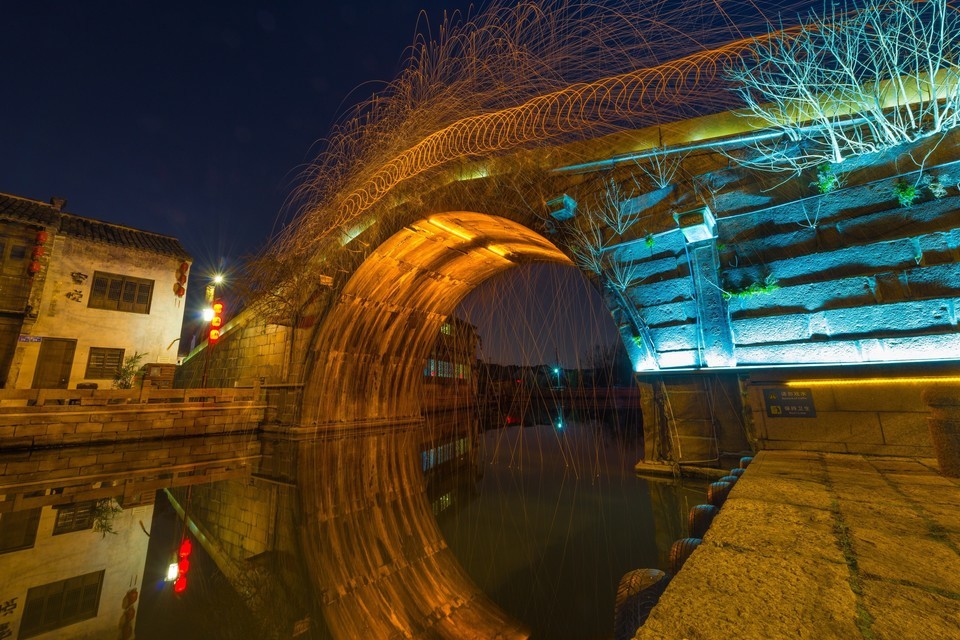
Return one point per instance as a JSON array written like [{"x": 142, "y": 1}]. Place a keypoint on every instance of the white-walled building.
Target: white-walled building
[{"x": 78, "y": 296}]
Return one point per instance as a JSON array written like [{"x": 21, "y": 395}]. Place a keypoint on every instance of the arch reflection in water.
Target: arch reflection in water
[
  {"x": 549, "y": 520},
  {"x": 253, "y": 570}
]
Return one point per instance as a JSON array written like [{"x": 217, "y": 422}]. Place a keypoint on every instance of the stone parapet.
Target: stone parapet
[{"x": 54, "y": 418}]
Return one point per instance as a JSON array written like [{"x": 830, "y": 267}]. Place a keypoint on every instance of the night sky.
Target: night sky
[{"x": 191, "y": 119}]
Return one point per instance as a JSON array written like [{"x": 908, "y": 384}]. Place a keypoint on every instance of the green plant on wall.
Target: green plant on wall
[
  {"x": 127, "y": 373},
  {"x": 767, "y": 285},
  {"x": 827, "y": 179},
  {"x": 104, "y": 513},
  {"x": 905, "y": 192}
]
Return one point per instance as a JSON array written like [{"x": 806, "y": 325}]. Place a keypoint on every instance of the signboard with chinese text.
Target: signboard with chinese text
[{"x": 789, "y": 403}]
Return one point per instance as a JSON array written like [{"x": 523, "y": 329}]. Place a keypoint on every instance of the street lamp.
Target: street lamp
[
  {"x": 556, "y": 370},
  {"x": 209, "y": 295}
]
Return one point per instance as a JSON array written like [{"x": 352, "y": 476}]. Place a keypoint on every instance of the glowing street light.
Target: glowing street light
[{"x": 207, "y": 314}]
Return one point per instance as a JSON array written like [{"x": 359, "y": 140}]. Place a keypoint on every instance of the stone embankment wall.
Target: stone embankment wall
[
  {"x": 868, "y": 417},
  {"x": 252, "y": 352},
  {"x": 693, "y": 419},
  {"x": 52, "y": 418}
]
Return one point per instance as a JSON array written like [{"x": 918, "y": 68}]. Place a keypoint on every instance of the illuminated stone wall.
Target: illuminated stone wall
[
  {"x": 249, "y": 350},
  {"x": 849, "y": 277},
  {"x": 888, "y": 418}
]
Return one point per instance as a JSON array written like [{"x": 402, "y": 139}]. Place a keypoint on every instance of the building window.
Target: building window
[
  {"x": 57, "y": 604},
  {"x": 122, "y": 293},
  {"x": 103, "y": 362},
  {"x": 18, "y": 529},
  {"x": 74, "y": 517}
]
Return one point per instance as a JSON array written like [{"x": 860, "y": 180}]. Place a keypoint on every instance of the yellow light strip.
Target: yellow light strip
[
  {"x": 847, "y": 381},
  {"x": 500, "y": 251},
  {"x": 460, "y": 233}
]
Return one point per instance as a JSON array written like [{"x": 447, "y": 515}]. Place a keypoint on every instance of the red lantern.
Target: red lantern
[
  {"x": 37, "y": 252},
  {"x": 183, "y": 566},
  {"x": 182, "y": 278},
  {"x": 41, "y": 237},
  {"x": 215, "y": 323},
  {"x": 33, "y": 267},
  {"x": 184, "y": 267},
  {"x": 178, "y": 289}
]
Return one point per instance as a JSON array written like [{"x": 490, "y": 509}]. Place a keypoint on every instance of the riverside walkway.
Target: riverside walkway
[{"x": 819, "y": 545}]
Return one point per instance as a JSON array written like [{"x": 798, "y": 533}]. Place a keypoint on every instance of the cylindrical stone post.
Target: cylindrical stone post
[{"x": 944, "y": 422}]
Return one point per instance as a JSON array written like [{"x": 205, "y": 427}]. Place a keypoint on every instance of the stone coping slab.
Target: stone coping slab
[{"x": 823, "y": 545}]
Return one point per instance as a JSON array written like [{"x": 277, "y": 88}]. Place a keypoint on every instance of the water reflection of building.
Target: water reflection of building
[
  {"x": 449, "y": 373},
  {"x": 450, "y": 396},
  {"x": 72, "y": 566}
]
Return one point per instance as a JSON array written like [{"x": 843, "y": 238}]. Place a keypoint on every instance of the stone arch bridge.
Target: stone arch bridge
[{"x": 715, "y": 275}]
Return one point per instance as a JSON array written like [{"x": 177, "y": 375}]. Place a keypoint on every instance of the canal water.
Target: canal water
[
  {"x": 553, "y": 515},
  {"x": 545, "y": 519}
]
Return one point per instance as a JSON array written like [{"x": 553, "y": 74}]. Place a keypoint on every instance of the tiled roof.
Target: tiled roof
[
  {"x": 28, "y": 211},
  {"x": 44, "y": 215}
]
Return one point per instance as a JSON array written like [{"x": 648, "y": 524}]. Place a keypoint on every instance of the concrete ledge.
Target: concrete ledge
[{"x": 663, "y": 469}]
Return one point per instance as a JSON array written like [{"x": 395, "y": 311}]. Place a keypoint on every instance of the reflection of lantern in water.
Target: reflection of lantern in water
[{"x": 182, "y": 566}]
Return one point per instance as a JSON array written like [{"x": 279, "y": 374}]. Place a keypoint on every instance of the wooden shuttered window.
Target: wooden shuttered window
[
  {"x": 58, "y": 604},
  {"x": 120, "y": 293},
  {"x": 103, "y": 363},
  {"x": 74, "y": 517}
]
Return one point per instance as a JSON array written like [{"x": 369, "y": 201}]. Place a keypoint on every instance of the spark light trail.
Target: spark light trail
[{"x": 570, "y": 70}]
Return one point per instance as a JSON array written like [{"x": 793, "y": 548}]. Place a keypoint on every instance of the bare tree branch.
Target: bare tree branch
[{"x": 852, "y": 81}]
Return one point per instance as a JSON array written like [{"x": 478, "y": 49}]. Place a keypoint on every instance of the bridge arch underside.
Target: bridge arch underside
[{"x": 380, "y": 565}]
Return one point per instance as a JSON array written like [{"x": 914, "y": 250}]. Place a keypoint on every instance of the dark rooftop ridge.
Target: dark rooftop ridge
[{"x": 49, "y": 216}]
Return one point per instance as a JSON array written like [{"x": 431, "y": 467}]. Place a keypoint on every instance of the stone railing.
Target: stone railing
[{"x": 62, "y": 417}]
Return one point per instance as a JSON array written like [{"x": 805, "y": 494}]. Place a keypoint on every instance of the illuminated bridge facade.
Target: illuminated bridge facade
[{"x": 712, "y": 277}]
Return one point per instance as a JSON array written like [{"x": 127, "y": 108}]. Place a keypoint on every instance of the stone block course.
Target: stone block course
[
  {"x": 902, "y": 612},
  {"x": 30, "y": 430},
  {"x": 828, "y": 426},
  {"x": 905, "y": 429},
  {"x": 89, "y": 427}
]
